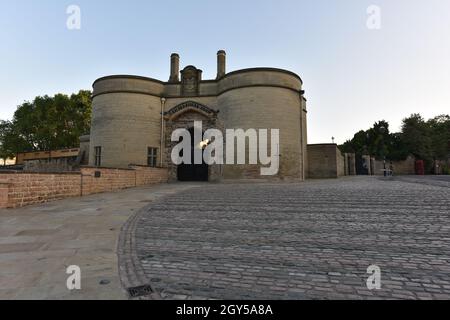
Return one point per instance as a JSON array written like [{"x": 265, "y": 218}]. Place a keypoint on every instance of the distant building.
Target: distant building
[
  {"x": 46, "y": 155},
  {"x": 7, "y": 162},
  {"x": 45, "y": 161}
]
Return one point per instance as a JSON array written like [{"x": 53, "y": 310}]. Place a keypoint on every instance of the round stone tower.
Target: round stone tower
[
  {"x": 126, "y": 120},
  {"x": 265, "y": 98},
  {"x": 133, "y": 117}
]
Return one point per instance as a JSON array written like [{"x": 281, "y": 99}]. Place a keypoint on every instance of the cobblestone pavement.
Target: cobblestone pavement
[
  {"x": 312, "y": 240},
  {"x": 440, "y": 181}
]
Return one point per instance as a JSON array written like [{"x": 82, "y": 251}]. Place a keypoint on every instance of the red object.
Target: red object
[{"x": 420, "y": 167}]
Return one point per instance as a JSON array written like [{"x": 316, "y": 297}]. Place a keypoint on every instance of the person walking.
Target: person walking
[{"x": 391, "y": 169}]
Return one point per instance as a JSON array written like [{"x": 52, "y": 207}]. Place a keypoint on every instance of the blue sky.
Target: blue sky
[{"x": 353, "y": 76}]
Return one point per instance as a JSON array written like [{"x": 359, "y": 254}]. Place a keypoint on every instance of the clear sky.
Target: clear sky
[{"x": 353, "y": 76}]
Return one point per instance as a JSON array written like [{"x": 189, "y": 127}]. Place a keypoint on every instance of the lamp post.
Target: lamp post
[{"x": 163, "y": 103}]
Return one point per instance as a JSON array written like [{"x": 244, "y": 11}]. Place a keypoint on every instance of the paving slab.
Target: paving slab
[{"x": 38, "y": 243}]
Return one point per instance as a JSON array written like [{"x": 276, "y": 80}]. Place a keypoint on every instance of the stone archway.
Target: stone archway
[
  {"x": 193, "y": 172},
  {"x": 183, "y": 116}
]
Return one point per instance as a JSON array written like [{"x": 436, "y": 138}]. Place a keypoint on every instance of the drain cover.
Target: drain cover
[{"x": 140, "y": 291}]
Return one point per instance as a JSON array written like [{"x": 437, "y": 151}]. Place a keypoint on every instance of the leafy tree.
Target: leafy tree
[
  {"x": 376, "y": 141},
  {"x": 397, "y": 148},
  {"x": 5, "y": 130},
  {"x": 439, "y": 130},
  {"x": 426, "y": 140},
  {"x": 47, "y": 123},
  {"x": 416, "y": 136}
]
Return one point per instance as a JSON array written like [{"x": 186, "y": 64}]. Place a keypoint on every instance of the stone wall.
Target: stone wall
[
  {"x": 51, "y": 165},
  {"x": 403, "y": 167},
  {"x": 350, "y": 164},
  {"x": 18, "y": 189},
  {"x": 441, "y": 167},
  {"x": 147, "y": 176},
  {"x": 340, "y": 163},
  {"x": 325, "y": 161},
  {"x": 83, "y": 155},
  {"x": 21, "y": 189},
  {"x": 4, "y": 189},
  {"x": 117, "y": 179},
  {"x": 109, "y": 180}
]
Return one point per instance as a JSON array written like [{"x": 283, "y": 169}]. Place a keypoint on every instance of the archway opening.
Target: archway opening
[{"x": 192, "y": 171}]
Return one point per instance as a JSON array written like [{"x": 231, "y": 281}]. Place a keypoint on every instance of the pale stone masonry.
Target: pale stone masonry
[
  {"x": 134, "y": 117},
  {"x": 327, "y": 161},
  {"x": 132, "y": 114}
]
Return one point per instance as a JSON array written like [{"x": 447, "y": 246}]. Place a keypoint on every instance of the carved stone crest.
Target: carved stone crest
[
  {"x": 190, "y": 106},
  {"x": 190, "y": 78}
]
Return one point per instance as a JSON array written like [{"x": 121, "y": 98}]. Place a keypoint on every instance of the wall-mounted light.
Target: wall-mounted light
[{"x": 204, "y": 144}]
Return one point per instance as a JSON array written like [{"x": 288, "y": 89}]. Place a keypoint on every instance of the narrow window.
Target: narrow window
[
  {"x": 152, "y": 157},
  {"x": 98, "y": 156}
]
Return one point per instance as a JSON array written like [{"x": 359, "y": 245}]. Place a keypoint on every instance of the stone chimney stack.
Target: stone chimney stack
[
  {"x": 221, "y": 64},
  {"x": 174, "y": 68}
]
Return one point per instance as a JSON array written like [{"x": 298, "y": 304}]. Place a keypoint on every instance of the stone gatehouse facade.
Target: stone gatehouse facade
[{"x": 133, "y": 117}]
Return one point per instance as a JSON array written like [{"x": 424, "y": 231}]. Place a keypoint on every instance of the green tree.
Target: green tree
[
  {"x": 376, "y": 141},
  {"x": 397, "y": 148},
  {"x": 5, "y": 129},
  {"x": 416, "y": 137},
  {"x": 48, "y": 123},
  {"x": 379, "y": 140},
  {"x": 439, "y": 131},
  {"x": 426, "y": 140}
]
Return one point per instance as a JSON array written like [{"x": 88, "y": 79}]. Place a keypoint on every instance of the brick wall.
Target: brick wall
[
  {"x": 23, "y": 189},
  {"x": 109, "y": 180},
  {"x": 4, "y": 194},
  {"x": 144, "y": 176},
  {"x": 18, "y": 189}
]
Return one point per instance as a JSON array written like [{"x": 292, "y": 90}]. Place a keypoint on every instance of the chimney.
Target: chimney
[
  {"x": 174, "y": 68},
  {"x": 221, "y": 64}
]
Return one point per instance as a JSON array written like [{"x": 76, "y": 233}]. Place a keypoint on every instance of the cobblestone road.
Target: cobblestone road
[{"x": 313, "y": 240}]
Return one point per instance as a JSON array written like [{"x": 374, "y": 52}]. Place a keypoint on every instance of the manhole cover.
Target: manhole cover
[
  {"x": 104, "y": 282},
  {"x": 140, "y": 291}
]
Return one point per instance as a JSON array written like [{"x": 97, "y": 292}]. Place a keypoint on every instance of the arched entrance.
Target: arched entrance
[
  {"x": 183, "y": 116},
  {"x": 192, "y": 172}
]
